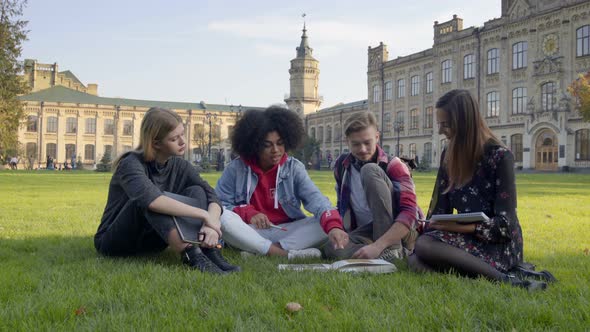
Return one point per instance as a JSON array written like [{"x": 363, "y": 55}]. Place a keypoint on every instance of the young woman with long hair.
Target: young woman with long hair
[
  {"x": 476, "y": 174},
  {"x": 132, "y": 222}
]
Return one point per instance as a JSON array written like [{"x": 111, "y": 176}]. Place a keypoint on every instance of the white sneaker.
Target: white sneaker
[{"x": 304, "y": 253}]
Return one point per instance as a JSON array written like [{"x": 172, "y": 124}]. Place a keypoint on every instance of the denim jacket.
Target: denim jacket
[{"x": 294, "y": 187}]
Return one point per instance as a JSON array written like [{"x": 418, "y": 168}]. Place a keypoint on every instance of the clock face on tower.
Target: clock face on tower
[{"x": 549, "y": 45}]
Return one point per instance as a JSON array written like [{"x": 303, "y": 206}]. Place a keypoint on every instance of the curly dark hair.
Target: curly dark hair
[{"x": 247, "y": 138}]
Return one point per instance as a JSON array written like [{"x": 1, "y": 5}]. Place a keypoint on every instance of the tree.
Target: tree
[
  {"x": 580, "y": 89},
  {"x": 12, "y": 34},
  {"x": 105, "y": 163},
  {"x": 306, "y": 153}
]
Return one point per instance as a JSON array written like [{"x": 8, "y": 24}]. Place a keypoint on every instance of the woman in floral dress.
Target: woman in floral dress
[{"x": 476, "y": 174}]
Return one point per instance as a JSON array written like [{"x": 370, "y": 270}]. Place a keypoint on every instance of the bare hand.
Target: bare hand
[
  {"x": 208, "y": 222},
  {"x": 211, "y": 237},
  {"x": 338, "y": 238},
  {"x": 451, "y": 226},
  {"x": 368, "y": 252},
  {"x": 260, "y": 221}
]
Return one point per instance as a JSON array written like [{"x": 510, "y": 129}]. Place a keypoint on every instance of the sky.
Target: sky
[{"x": 230, "y": 51}]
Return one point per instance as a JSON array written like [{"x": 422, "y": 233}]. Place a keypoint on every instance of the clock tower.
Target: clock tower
[{"x": 303, "y": 97}]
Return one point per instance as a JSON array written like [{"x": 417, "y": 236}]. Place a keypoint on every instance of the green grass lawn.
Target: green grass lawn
[{"x": 52, "y": 279}]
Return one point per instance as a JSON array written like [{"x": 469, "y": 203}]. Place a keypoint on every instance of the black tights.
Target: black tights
[{"x": 431, "y": 254}]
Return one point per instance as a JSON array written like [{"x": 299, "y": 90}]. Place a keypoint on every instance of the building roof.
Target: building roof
[
  {"x": 65, "y": 95},
  {"x": 355, "y": 104},
  {"x": 71, "y": 76}
]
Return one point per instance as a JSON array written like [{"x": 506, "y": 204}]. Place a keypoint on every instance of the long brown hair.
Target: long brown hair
[
  {"x": 469, "y": 134},
  {"x": 156, "y": 124}
]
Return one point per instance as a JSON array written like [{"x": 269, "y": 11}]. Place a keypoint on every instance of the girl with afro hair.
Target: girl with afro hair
[{"x": 262, "y": 190}]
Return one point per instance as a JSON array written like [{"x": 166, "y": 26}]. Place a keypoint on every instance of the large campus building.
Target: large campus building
[
  {"x": 518, "y": 66},
  {"x": 68, "y": 121}
]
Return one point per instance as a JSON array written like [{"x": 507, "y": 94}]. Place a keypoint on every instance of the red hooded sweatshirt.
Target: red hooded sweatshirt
[{"x": 263, "y": 198}]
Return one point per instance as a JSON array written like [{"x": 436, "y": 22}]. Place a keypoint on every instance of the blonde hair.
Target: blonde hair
[
  {"x": 359, "y": 121},
  {"x": 468, "y": 133},
  {"x": 156, "y": 124}
]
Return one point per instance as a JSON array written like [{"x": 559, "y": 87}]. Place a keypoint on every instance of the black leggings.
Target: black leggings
[
  {"x": 134, "y": 233},
  {"x": 431, "y": 254}
]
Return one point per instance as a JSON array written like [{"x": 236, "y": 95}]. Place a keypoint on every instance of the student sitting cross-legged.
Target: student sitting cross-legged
[
  {"x": 137, "y": 217},
  {"x": 262, "y": 190},
  {"x": 375, "y": 195}
]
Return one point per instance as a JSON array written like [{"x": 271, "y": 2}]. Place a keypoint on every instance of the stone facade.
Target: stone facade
[
  {"x": 63, "y": 123},
  {"x": 40, "y": 76},
  {"x": 518, "y": 67}
]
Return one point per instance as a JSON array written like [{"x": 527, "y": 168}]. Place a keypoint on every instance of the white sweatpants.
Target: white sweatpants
[{"x": 300, "y": 234}]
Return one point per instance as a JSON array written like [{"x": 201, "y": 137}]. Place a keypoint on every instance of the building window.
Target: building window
[
  {"x": 547, "y": 96},
  {"x": 91, "y": 126},
  {"x": 415, "y": 81},
  {"x": 109, "y": 126},
  {"x": 32, "y": 123},
  {"x": 198, "y": 132},
  {"x": 412, "y": 151},
  {"x": 493, "y": 61},
  {"x": 70, "y": 151},
  {"x": 376, "y": 94},
  {"x": 312, "y": 134},
  {"x": 414, "y": 119},
  {"x": 428, "y": 114},
  {"x": 447, "y": 69},
  {"x": 519, "y": 55},
  {"x": 399, "y": 118},
  {"x": 71, "y": 125},
  {"x": 51, "y": 150},
  {"x": 583, "y": 144},
  {"x": 427, "y": 157},
  {"x": 583, "y": 41},
  {"x": 127, "y": 148},
  {"x": 31, "y": 149},
  {"x": 400, "y": 150},
  {"x": 127, "y": 128},
  {"x": 468, "y": 66},
  {"x": 108, "y": 151},
  {"x": 89, "y": 152},
  {"x": 387, "y": 123},
  {"x": 429, "y": 82},
  {"x": 320, "y": 134},
  {"x": 401, "y": 88},
  {"x": 388, "y": 90},
  {"x": 337, "y": 133},
  {"x": 329, "y": 134},
  {"x": 493, "y": 100},
  {"x": 52, "y": 124},
  {"x": 386, "y": 149},
  {"x": 518, "y": 100},
  {"x": 216, "y": 133},
  {"x": 516, "y": 147}
]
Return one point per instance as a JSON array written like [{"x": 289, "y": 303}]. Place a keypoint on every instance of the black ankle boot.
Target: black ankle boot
[
  {"x": 195, "y": 259},
  {"x": 215, "y": 256},
  {"x": 530, "y": 285}
]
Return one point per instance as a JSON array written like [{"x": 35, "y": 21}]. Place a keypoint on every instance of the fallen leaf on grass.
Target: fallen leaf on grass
[
  {"x": 586, "y": 252},
  {"x": 80, "y": 311},
  {"x": 327, "y": 308},
  {"x": 549, "y": 216}
]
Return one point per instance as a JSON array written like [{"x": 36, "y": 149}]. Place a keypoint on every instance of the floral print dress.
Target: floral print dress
[{"x": 492, "y": 190}]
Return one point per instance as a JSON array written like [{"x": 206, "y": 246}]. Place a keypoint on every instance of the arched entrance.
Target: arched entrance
[{"x": 546, "y": 151}]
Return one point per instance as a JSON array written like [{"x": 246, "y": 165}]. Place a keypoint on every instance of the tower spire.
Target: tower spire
[{"x": 304, "y": 50}]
